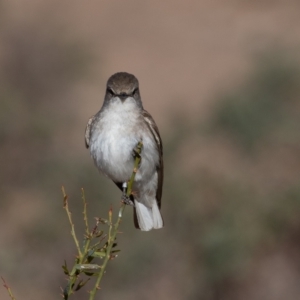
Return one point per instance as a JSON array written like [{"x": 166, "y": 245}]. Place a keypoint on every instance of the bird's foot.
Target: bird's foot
[
  {"x": 126, "y": 200},
  {"x": 136, "y": 151}
]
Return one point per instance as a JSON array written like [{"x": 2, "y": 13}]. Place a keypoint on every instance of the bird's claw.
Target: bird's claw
[
  {"x": 136, "y": 152},
  {"x": 126, "y": 200}
]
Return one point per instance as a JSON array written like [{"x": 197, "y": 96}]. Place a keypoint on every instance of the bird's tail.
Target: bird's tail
[{"x": 146, "y": 218}]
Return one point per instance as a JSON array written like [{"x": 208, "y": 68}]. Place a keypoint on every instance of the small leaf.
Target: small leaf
[
  {"x": 81, "y": 284},
  {"x": 90, "y": 274},
  {"x": 99, "y": 254},
  {"x": 102, "y": 221},
  {"x": 65, "y": 268},
  {"x": 90, "y": 252},
  {"x": 115, "y": 251},
  {"x": 90, "y": 267},
  {"x": 99, "y": 233}
]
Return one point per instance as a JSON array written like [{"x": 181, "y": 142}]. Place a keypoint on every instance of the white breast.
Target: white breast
[{"x": 117, "y": 132}]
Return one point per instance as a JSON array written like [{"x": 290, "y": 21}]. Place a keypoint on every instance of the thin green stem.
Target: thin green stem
[
  {"x": 85, "y": 218},
  {"x": 66, "y": 206},
  {"x": 88, "y": 234},
  {"x": 73, "y": 274}
]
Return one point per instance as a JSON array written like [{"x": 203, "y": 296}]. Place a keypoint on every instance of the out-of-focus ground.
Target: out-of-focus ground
[{"x": 222, "y": 80}]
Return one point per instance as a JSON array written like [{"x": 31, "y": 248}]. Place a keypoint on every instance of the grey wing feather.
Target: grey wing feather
[
  {"x": 160, "y": 168},
  {"x": 88, "y": 131}
]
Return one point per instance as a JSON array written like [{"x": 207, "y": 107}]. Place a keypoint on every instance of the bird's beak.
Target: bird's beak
[{"x": 123, "y": 97}]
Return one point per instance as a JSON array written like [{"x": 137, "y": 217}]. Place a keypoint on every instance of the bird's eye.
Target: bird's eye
[
  {"x": 134, "y": 92},
  {"x": 109, "y": 91}
]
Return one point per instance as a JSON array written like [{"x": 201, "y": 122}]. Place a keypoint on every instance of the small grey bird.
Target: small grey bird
[{"x": 112, "y": 135}]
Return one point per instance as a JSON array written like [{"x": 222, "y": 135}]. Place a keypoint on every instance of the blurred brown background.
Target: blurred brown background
[{"x": 221, "y": 79}]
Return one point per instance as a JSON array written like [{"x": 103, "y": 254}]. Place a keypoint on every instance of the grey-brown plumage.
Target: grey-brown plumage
[{"x": 112, "y": 134}]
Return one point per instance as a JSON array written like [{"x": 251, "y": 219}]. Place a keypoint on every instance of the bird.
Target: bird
[{"x": 112, "y": 135}]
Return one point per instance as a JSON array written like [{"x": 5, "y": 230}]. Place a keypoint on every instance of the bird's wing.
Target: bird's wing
[
  {"x": 88, "y": 131},
  {"x": 160, "y": 168}
]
